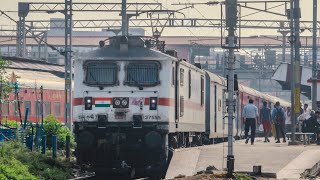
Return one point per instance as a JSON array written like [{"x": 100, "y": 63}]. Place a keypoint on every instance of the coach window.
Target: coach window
[
  {"x": 37, "y": 107},
  {"x": 101, "y": 73},
  {"x": 15, "y": 109},
  {"x": 181, "y": 77},
  {"x": 57, "y": 109},
  {"x": 27, "y": 104},
  {"x": 181, "y": 106},
  {"x": 47, "y": 108},
  {"x": 189, "y": 77},
  {"x": 202, "y": 90},
  {"x": 142, "y": 74},
  {"x": 5, "y": 109},
  {"x": 173, "y": 75}
]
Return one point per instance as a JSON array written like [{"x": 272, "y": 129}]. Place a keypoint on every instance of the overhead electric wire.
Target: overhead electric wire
[
  {"x": 8, "y": 40},
  {"x": 262, "y": 11},
  {"x": 30, "y": 31},
  {"x": 186, "y": 27}
]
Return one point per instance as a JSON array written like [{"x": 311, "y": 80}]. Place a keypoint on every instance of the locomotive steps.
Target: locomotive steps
[{"x": 277, "y": 160}]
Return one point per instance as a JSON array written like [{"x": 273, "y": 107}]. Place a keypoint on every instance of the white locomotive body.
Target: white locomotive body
[{"x": 129, "y": 98}]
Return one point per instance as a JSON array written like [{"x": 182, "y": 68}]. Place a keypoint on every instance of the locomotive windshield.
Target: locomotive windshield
[
  {"x": 101, "y": 73},
  {"x": 142, "y": 74}
]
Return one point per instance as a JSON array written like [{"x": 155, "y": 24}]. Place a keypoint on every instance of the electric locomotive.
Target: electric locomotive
[{"x": 129, "y": 102}]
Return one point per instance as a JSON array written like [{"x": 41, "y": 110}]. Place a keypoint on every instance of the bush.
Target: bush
[
  {"x": 10, "y": 123},
  {"x": 11, "y": 168},
  {"x": 52, "y": 126},
  {"x": 31, "y": 165}
]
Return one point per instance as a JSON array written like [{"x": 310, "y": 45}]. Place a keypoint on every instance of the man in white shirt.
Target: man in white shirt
[
  {"x": 288, "y": 119},
  {"x": 250, "y": 114},
  {"x": 305, "y": 114}
]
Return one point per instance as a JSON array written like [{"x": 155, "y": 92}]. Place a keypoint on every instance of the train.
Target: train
[
  {"x": 31, "y": 75},
  {"x": 134, "y": 104}
]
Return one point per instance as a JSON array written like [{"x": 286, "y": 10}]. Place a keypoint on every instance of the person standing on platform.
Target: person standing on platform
[
  {"x": 288, "y": 119},
  {"x": 305, "y": 114},
  {"x": 250, "y": 115},
  {"x": 278, "y": 117},
  {"x": 265, "y": 119}
]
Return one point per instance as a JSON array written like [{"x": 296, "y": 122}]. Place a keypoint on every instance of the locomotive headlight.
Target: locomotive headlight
[
  {"x": 124, "y": 102},
  {"x": 88, "y": 103},
  {"x": 117, "y": 102},
  {"x": 153, "y": 103}
]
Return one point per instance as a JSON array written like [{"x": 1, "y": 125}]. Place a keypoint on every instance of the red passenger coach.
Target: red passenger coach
[
  {"x": 31, "y": 76},
  {"x": 30, "y": 98}
]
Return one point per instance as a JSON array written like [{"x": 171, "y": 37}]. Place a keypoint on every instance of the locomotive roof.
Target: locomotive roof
[{"x": 136, "y": 50}]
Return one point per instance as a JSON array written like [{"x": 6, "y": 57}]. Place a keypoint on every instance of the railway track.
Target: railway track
[
  {"x": 93, "y": 177},
  {"x": 84, "y": 178}
]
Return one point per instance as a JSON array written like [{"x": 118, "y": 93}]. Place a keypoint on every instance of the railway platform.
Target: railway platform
[{"x": 277, "y": 160}]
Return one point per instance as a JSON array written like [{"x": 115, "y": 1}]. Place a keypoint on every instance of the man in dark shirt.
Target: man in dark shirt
[
  {"x": 278, "y": 117},
  {"x": 265, "y": 119}
]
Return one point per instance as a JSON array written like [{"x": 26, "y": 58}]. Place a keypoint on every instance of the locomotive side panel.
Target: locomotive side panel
[{"x": 191, "y": 99}]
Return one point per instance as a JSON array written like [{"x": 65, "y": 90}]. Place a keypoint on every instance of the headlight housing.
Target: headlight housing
[
  {"x": 153, "y": 103},
  {"x": 88, "y": 103},
  {"x": 120, "y": 102}
]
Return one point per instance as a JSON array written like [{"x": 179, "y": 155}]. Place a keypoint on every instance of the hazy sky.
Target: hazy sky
[{"x": 201, "y": 11}]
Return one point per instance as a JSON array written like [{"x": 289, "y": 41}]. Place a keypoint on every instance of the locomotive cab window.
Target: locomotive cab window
[
  {"x": 142, "y": 74},
  {"x": 101, "y": 73}
]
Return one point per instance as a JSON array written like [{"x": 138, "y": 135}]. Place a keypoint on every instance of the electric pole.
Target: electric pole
[
  {"x": 231, "y": 25},
  {"x": 295, "y": 14},
  {"x": 68, "y": 64},
  {"x": 314, "y": 57},
  {"x": 291, "y": 40},
  {"x": 297, "y": 74},
  {"x": 124, "y": 25}
]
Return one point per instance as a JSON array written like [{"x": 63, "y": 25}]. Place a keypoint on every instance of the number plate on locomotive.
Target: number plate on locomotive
[{"x": 151, "y": 117}]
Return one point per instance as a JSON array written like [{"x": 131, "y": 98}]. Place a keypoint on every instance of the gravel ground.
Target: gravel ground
[{"x": 220, "y": 176}]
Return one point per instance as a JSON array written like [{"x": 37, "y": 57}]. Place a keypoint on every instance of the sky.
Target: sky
[{"x": 199, "y": 11}]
